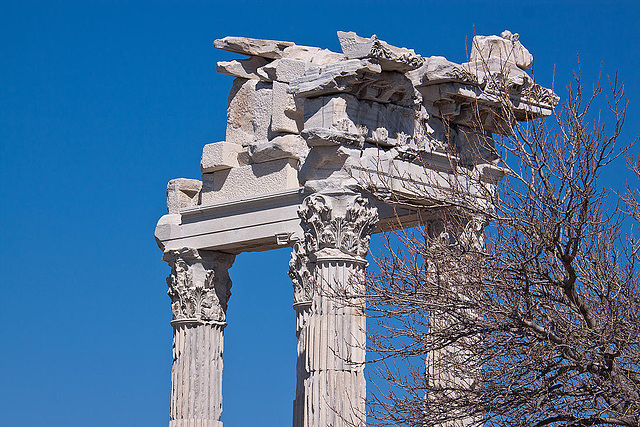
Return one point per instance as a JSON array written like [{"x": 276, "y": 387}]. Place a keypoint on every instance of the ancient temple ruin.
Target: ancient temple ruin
[{"x": 322, "y": 150}]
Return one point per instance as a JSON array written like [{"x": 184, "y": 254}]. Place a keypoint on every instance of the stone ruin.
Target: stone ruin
[{"x": 322, "y": 150}]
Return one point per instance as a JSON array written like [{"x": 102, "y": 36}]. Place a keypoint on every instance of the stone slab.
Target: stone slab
[
  {"x": 272, "y": 49},
  {"x": 251, "y": 180}
]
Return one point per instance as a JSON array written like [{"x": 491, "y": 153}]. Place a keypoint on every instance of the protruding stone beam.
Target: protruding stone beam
[
  {"x": 199, "y": 288},
  {"x": 327, "y": 271}
]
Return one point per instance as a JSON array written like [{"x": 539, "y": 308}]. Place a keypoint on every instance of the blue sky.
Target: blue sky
[{"x": 101, "y": 103}]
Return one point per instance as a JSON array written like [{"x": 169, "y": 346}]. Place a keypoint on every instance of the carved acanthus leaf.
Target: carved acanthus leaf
[
  {"x": 350, "y": 233},
  {"x": 199, "y": 285}
]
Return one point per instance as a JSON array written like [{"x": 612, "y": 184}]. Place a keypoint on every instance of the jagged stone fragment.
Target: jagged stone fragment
[
  {"x": 391, "y": 58},
  {"x": 272, "y": 49},
  {"x": 244, "y": 68}
]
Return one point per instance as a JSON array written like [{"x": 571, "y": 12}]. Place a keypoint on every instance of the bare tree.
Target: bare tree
[{"x": 526, "y": 314}]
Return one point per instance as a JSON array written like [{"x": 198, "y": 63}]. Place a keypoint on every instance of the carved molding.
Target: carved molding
[{"x": 199, "y": 285}]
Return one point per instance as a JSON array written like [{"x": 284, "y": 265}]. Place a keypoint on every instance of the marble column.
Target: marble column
[
  {"x": 453, "y": 369},
  {"x": 199, "y": 288},
  {"x": 327, "y": 271}
]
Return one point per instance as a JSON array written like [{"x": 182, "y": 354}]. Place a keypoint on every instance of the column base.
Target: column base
[{"x": 195, "y": 423}]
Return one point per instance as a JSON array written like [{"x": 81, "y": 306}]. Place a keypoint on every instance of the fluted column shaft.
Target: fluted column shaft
[
  {"x": 455, "y": 367},
  {"x": 199, "y": 287},
  {"x": 331, "y": 326}
]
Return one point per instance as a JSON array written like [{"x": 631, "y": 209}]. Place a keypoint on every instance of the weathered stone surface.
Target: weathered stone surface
[
  {"x": 391, "y": 58},
  {"x": 337, "y": 77},
  {"x": 280, "y": 147},
  {"x": 243, "y": 68},
  {"x": 385, "y": 124},
  {"x": 283, "y": 70},
  {"x": 506, "y": 48},
  {"x": 219, "y": 156},
  {"x": 314, "y": 55},
  {"x": 437, "y": 69},
  {"x": 249, "y": 181},
  {"x": 272, "y": 49},
  {"x": 249, "y": 111},
  {"x": 182, "y": 193},
  {"x": 287, "y": 112}
]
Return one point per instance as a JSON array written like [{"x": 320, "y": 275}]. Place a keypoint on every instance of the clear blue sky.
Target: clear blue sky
[{"x": 101, "y": 103}]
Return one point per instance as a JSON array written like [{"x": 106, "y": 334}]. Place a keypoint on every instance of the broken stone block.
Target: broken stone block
[
  {"x": 506, "y": 48},
  {"x": 219, "y": 155},
  {"x": 243, "y": 68},
  {"x": 249, "y": 111},
  {"x": 343, "y": 76},
  {"x": 272, "y": 49},
  {"x": 287, "y": 112},
  {"x": 314, "y": 55},
  {"x": 249, "y": 181},
  {"x": 384, "y": 124},
  {"x": 391, "y": 58},
  {"x": 437, "y": 69},
  {"x": 182, "y": 193},
  {"x": 283, "y": 70},
  {"x": 280, "y": 147}
]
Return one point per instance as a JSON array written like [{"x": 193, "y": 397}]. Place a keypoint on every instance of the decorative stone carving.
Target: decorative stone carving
[
  {"x": 350, "y": 233},
  {"x": 390, "y": 57},
  {"x": 300, "y": 274},
  {"x": 199, "y": 285},
  {"x": 328, "y": 232}
]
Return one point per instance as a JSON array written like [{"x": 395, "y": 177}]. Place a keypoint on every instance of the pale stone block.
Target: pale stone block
[
  {"x": 280, "y": 147},
  {"x": 249, "y": 181},
  {"x": 286, "y": 116},
  {"x": 272, "y": 49},
  {"x": 219, "y": 156},
  {"x": 391, "y": 58},
  {"x": 243, "y": 68},
  {"x": 314, "y": 55},
  {"x": 182, "y": 193},
  {"x": 385, "y": 124},
  {"x": 249, "y": 111},
  {"x": 505, "y": 48},
  {"x": 283, "y": 70}
]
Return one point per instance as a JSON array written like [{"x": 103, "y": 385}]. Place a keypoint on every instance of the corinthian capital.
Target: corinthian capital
[
  {"x": 343, "y": 223},
  {"x": 199, "y": 284}
]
